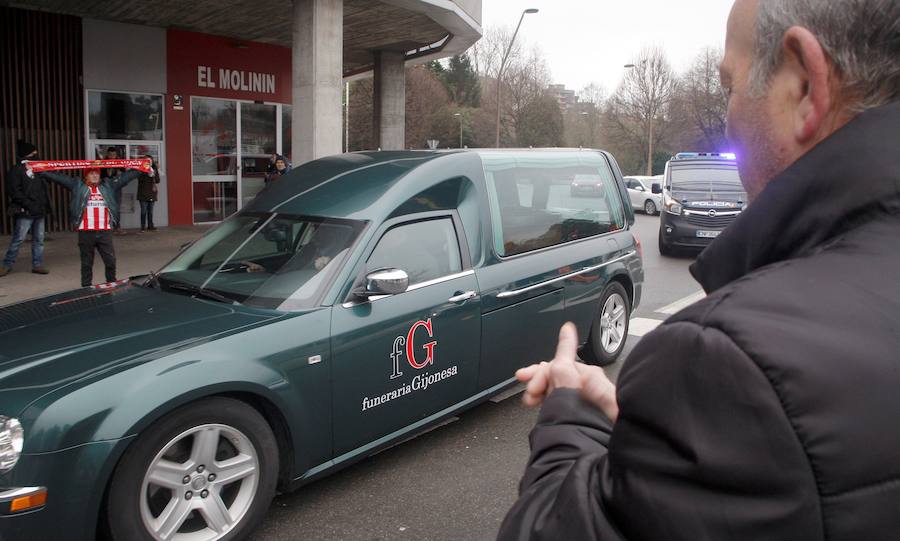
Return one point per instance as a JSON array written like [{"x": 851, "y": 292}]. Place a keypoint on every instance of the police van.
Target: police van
[{"x": 701, "y": 195}]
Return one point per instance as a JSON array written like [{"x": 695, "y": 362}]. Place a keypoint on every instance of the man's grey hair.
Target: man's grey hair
[{"x": 860, "y": 37}]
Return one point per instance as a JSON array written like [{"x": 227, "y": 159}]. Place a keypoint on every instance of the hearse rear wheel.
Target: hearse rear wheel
[
  {"x": 205, "y": 472},
  {"x": 610, "y": 327}
]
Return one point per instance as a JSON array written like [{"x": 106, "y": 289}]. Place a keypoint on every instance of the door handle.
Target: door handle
[{"x": 463, "y": 297}]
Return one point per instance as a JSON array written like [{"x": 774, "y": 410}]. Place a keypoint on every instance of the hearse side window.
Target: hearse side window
[
  {"x": 544, "y": 200},
  {"x": 425, "y": 250}
]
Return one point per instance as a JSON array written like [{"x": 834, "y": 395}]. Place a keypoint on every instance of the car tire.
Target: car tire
[
  {"x": 602, "y": 350},
  {"x": 664, "y": 248},
  {"x": 650, "y": 207},
  {"x": 237, "y": 485}
]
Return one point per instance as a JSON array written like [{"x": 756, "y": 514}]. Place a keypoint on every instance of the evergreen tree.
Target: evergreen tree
[{"x": 461, "y": 81}]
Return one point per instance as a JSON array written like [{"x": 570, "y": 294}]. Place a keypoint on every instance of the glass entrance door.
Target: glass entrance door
[
  {"x": 228, "y": 175},
  {"x": 258, "y": 144},
  {"x": 214, "y": 158}
]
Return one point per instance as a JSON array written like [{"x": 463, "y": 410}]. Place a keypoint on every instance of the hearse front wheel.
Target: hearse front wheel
[
  {"x": 205, "y": 472},
  {"x": 610, "y": 327}
]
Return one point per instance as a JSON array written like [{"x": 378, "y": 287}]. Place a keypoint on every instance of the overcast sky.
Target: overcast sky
[{"x": 588, "y": 41}]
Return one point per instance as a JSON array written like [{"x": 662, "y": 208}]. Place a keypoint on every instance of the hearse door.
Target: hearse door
[{"x": 401, "y": 358}]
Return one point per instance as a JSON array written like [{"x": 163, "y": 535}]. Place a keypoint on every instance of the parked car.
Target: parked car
[
  {"x": 589, "y": 185},
  {"x": 372, "y": 296},
  {"x": 702, "y": 195},
  {"x": 641, "y": 194}
]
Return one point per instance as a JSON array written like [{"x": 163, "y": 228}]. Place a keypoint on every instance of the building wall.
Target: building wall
[
  {"x": 124, "y": 57},
  {"x": 128, "y": 58},
  {"x": 40, "y": 96},
  {"x": 189, "y": 54},
  {"x": 471, "y": 7}
]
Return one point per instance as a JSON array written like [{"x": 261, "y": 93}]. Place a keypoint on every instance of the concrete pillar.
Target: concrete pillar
[
  {"x": 317, "y": 76},
  {"x": 390, "y": 100}
]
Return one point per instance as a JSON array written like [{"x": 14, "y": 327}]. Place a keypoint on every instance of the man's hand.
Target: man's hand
[
  {"x": 322, "y": 262},
  {"x": 253, "y": 267},
  {"x": 565, "y": 372}
]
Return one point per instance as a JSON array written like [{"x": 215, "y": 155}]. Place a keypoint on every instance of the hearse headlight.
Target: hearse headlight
[{"x": 12, "y": 438}]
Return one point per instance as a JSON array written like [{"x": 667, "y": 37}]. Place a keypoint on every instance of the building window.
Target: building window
[{"x": 120, "y": 116}]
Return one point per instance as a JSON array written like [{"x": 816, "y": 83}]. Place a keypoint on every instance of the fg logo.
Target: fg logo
[{"x": 404, "y": 344}]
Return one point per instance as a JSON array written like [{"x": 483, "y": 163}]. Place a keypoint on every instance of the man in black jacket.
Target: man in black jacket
[
  {"x": 29, "y": 204},
  {"x": 770, "y": 409}
]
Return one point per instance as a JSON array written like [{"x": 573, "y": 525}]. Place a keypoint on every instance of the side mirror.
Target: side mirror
[
  {"x": 641, "y": 188},
  {"x": 385, "y": 282},
  {"x": 656, "y": 188}
]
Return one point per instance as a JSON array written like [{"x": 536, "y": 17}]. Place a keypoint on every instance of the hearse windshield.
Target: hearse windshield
[
  {"x": 263, "y": 260},
  {"x": 694, "y": 182}
]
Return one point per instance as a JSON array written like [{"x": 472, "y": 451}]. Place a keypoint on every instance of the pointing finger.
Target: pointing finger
[{"x": 567, "y": 348}]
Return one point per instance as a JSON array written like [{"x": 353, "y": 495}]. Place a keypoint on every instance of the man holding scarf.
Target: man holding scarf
[{"x": 93, "y": 211}]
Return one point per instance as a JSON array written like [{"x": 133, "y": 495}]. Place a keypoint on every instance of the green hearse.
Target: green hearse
[{"x": 354, "y": 302}]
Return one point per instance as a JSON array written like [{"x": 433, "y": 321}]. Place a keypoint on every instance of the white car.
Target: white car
[{"x": 641, "y": 193}]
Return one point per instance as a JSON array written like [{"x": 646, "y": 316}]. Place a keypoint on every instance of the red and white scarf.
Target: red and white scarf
[{"x": 141, "y": 164}]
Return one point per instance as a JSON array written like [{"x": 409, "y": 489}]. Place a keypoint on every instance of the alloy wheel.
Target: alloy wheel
[
  {"x": 200, "y": 485},
  {"x": 612, "y": 323}
]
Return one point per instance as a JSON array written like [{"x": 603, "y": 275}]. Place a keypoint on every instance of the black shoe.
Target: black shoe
[
  {"x": 4, "y": 271},
  {"x": 40, "y": 270}
]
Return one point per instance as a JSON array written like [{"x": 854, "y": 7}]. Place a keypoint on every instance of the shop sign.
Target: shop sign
[{"x": 239, "y": 80}]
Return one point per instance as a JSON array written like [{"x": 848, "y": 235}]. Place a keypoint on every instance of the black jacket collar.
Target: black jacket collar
[{"x": 846, "y": 180}]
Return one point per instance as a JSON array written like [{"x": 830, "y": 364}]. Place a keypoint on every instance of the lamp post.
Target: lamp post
[
  {"x": 584, "y": 115},
  {"x": 650, "y": 135},
  {"x": 503, "y": 65},
  {"x": 460, "y": 128}
]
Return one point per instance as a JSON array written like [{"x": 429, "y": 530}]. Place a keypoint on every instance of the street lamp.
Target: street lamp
[
  {"x": 460, "y": 128},
  {"x": 584, "y": 115},
  {"x": 528, "y": 11},
  {"x": 650, "y": 137}
]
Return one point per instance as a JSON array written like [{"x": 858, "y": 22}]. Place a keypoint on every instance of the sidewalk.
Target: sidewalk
[{"x": 135, "y": 254}]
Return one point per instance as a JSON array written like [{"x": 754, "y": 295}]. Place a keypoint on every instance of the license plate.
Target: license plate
[{"x": 708, "y": 234}]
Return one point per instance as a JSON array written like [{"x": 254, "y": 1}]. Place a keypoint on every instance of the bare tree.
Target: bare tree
[
  {"x": 594, "y": 94},
  {"x": 426, "y": 98},
  {"x": 703, "y": 101},
  {"x": 525, "y": 77},
  {"x": 583, "y": 121},
  {"x": 640, "y": 104}
]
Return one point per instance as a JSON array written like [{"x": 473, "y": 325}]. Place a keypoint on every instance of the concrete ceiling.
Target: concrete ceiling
[{"x": 369, "y": 25}]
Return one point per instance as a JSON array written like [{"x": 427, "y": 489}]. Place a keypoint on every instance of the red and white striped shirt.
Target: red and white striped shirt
[{"x": 96, "y": 213}]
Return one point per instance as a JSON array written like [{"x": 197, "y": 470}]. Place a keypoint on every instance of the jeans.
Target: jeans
[
  {"x": 88, "y": 241},
  {"x": 23, "y": 225},
  {"x": 147, "y": 213}
]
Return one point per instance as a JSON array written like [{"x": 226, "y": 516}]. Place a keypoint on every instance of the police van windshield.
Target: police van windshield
[
  {"x": 264, "y": 260},
  {"x": 697, "y": 178}
]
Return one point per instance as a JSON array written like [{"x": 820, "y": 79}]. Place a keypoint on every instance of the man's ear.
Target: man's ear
[{"x": 811, "y": 93}]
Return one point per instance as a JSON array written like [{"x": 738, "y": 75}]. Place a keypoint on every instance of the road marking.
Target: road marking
[
  {"x": 640, "y": 326},
  {"x": 680, "y": 305}
]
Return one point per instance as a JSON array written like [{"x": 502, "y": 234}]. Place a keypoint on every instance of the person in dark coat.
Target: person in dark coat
[
  {"x": 770, "y": 409},
  {"x": 29, "y": 203},
  {"x": 147, "y": 196},
  {"x": 280, "y": 168}
]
